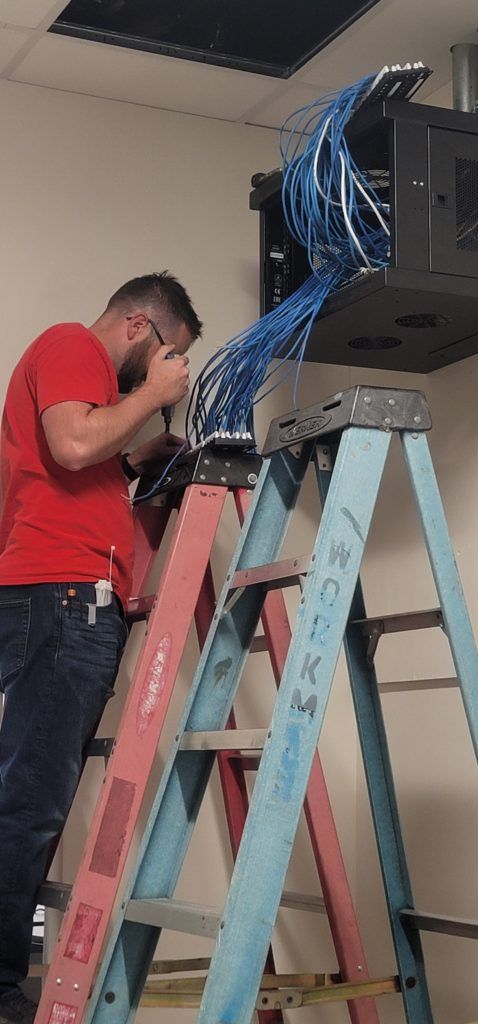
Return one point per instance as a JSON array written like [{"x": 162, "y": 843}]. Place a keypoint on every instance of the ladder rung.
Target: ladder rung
[
  {"x": 461, "y": 926},
  {"x": 100, "y": 746},
  {"x": 195, "y": 919},
  {"x": 401, "y": 622},
  {"x": 248, "y": 762},
  {"x": 140, "y": 607},
  {"x": 298, "y": 901},
  {"x": 225, "y": 739},
  {"x": 54, "y": 895},
  {"x": 418, "y": 684},
  {"x": 275, "y": 575},
  {"x": 258, "y": 645},
  {"x": 176, "y": 915}
]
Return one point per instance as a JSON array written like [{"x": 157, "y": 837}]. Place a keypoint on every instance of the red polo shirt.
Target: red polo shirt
[{"x": 59, "y": 525}]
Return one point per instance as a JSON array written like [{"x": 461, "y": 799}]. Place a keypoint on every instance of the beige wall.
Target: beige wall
[{"x": 92, "y": 192}]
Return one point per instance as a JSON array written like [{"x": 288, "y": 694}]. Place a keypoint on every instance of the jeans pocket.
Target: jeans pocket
[{"x": 14, "y": 630}]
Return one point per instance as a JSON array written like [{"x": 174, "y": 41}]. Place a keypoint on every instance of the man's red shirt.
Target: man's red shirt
[{"x": 56, "y": 524}]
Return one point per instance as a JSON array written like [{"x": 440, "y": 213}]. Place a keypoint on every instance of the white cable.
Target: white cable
[
  {"x": 348, "y": 222},
  {"x": 371, "y": 203}
]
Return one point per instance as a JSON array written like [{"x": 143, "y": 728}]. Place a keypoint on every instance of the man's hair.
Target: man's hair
[{"x": 162, "y": 295}]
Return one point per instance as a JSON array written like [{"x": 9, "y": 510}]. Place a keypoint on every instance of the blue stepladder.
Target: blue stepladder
[{"x": 356, "y": 426}]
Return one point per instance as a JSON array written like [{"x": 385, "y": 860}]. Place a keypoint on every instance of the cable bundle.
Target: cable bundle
[
  {"x": 332, "y": 209},
  {"x": 224, "y": 392},
  {"x": 330, "y": 205}
]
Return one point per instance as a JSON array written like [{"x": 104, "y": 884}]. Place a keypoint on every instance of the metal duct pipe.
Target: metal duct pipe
[{"x": 465, "y": 77}]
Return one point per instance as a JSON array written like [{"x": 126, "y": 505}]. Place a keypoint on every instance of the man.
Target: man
[{"x": 66, "y": 525}]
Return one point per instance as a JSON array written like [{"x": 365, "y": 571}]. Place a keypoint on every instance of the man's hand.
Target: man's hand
[
  {"x": 167, "y": 378},
  {"x": 150, "y": 456},
  {"x": 80, "y": 435}
]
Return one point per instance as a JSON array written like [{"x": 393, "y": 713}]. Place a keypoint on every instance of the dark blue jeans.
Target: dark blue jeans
[{"x": 56, "y": 674}]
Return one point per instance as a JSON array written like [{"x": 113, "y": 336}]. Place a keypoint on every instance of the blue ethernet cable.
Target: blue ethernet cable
[{"x": 334, "y": 212}]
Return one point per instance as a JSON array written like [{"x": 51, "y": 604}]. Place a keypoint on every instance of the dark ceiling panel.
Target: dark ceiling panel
[{"x": 269, "y": 37}]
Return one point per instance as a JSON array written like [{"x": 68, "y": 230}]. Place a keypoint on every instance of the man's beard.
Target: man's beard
[{"x": 135, "y": 367}]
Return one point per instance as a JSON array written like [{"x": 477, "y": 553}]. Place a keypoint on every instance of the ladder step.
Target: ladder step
[
  {"x": 225, "y": 739},
  {"x": 175, "y": 915},
  {"x": 54, "y": 895},
  {"x": 259, "y": 644},
  {"x": 298, "y": 901},
  {"x": 140, "y": 607},
  {"x": 418, "y": 684},
  {"x": 401, "y": 622},
  {"x": 195, "y": 919},
  {"x": 248, "y": 762},
  {"x": 422, "y": 921},
  {"x": 100, "y": 746},
  {"x": 275, "y": 575}
]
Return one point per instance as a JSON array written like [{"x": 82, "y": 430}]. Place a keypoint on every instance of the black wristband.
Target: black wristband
[{"x": 128, "y": 470}]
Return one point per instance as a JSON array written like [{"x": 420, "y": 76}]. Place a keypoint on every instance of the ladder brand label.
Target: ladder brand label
[
  {"x": 83, "y": 933},
  {"x": 112, "y": 831},
  {"x": 305, "y": 428},
  {"x": 154, "y": 684},
  {"x": 62, "y": 1014}
]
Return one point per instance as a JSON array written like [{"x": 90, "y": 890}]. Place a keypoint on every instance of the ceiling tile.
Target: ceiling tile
[
  {"x": 10, "y": 43},
  {"x": 394, "y": 32},
  {"x": 150, "y": 79},
  {"x": 27, "y": 13}
]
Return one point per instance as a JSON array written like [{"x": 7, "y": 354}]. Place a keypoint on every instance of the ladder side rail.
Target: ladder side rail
[
  {"x": 383, "y": 802},
  {"x": 233, "y": 785},
  {"x": 456, "y": 617},
  {"x": 148, "y": 537},
  {"x": 260, "y": 870},
  {"x": 320, "y": 821},
  {"x": 150, "y": 523},
  {"x": 131, "y": 947},
  {"x": 100, "y": 873},
  {"x": 231, "y": 774}
]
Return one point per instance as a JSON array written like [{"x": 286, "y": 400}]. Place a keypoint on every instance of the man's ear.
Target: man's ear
[{"x": 136, "y": 323}]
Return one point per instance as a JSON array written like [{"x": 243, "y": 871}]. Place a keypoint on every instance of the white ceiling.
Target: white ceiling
[{"x": 392, "y": 32}]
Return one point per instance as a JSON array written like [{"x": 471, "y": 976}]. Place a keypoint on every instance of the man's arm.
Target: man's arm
[{"x": 80, "y": 435}]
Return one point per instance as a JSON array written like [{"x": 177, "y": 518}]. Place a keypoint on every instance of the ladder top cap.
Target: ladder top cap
[{"x": 361, "y": 406}]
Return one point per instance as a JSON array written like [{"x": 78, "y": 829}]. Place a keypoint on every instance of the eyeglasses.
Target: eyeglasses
[
  {"x": 157, "y": 333},
  {"x": 155, "y": 329}
]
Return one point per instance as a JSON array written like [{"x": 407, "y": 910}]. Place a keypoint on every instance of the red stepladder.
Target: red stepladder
[{"x": 185, "y": 592}]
